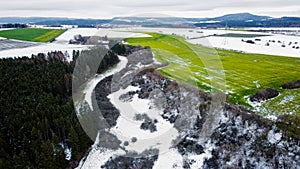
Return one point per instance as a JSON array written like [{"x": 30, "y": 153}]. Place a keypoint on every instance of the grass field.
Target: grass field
[
  {"x": 32, "y": 34},
  {"x": 238, "y": 74}
]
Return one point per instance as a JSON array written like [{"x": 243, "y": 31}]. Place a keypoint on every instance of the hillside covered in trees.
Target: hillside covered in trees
[{"x": 38, "y": 123}]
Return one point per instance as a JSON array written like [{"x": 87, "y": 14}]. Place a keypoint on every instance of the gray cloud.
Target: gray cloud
[{"x": 111, "y": 8}]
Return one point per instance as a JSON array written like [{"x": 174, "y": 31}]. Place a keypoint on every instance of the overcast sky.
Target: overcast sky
[{"x": 112, "y": 8}]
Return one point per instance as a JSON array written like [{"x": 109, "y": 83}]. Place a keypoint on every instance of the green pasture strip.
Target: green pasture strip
[{"x": 32, "y": 34}]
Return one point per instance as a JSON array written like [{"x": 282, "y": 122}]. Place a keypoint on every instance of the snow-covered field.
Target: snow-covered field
[
  {"x": 205, "y": 37},
  {"x": 280, "y": 29},
  {"x": 260, "y": 46},
  {"x": 2, "y": 29},
  {"x": 110, "y": 33},
  {"x": 61, "y": 43},
  {"x": 6, "y": 44},
  {"x": 42, "y": 48}
]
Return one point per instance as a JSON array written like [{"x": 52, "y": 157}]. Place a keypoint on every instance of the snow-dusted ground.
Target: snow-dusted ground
[
  {"x": 169, "y": 160},
  {"x": 274, "y": 137},
  {"x": 287, "y": 99},
  {"x": 127, "y": 127},
  {"x": 198, "y": 159},
  {"x": 98, "y": 156}
]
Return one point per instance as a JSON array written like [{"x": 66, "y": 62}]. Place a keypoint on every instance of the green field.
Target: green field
[
  {"x": 32, "y": 34},
  {"x": 238, "y": 74}
]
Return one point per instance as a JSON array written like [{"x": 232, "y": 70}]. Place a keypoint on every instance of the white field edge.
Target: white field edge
[{"x": 61, "y": 43}]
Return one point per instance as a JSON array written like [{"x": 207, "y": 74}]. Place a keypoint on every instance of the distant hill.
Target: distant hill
[
  {"x": 248, "y": 20},
  {"x": 230, "y": 20},
  {"x": 26, "y": 20},
  {"x": 151, "y": 21},
  {"x": 241, "y": 17},
  {"x": 79, "y": 22},
  {"x": 53, "y": 21}
]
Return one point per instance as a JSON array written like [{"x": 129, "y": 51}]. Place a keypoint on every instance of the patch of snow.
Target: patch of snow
[
  {"x": 229, "y": 92},
  {"x": 169, "y": 160},
  {"x": 67, "y": 151},
  {"x": 154, "y": 59},
  {"x": 271, "y": 117},
  {"x": 274, "y": 137},
  {"x": 256, "y": 83},
  {"x": 286, "y": 99},
  {"x": 209, "y": 21},
  {"x": 197, "y": 160},
  {"x": 97, "y": 157},
  {"x": 124, "y": 20},
  {"x": 255, "y": 105},
  {"x": 3, "y": 29},
  {"x": 127, "y": 127}
]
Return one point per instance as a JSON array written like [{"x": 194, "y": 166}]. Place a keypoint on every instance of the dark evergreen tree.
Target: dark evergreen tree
[{"x": 74, "y": 143}]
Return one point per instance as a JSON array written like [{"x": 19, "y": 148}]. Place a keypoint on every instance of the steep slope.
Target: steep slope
[{"x": 199, "y": 134}]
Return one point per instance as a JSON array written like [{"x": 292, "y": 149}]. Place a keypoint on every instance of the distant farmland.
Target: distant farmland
[
  {"x": 32, "y": 34},
  {"x": 239, "y": 35}
]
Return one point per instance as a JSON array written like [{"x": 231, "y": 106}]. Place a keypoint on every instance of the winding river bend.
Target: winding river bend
[{"x": 93, "y": 82}]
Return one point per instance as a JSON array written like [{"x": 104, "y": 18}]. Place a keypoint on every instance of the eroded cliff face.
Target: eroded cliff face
[{"x": 155, "y": 122}]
